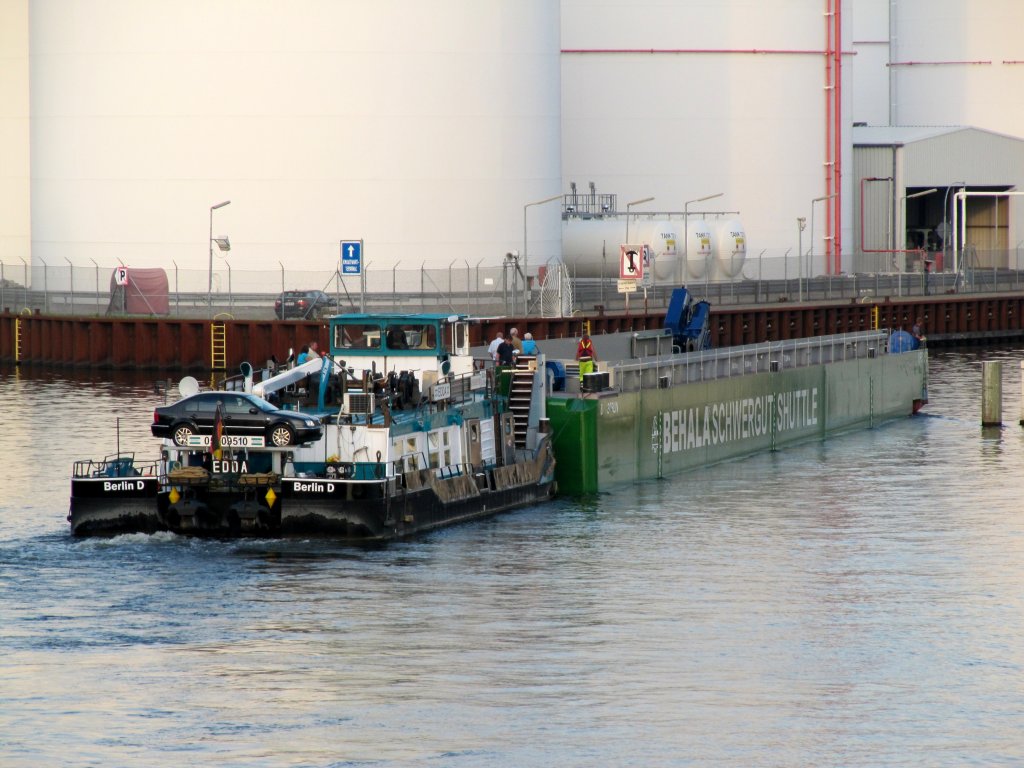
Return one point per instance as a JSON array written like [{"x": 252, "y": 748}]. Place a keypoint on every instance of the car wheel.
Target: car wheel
[
  {"x": 281, "y": 435},
  {"x": 182, "y": 434}
]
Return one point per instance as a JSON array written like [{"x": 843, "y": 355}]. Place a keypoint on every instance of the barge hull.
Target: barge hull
[{"x": 608, "y": 438}]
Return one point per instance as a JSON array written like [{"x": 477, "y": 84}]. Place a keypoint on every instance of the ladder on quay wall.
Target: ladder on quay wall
[
  {"x": 520, "y": 397},
  {"x": 17, "y": 341},
  {"x": 218, "y": 346}
]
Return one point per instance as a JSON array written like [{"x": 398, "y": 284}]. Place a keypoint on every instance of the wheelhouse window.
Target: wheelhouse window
[
  {"x": 411, "y": 336},
  {"x": 357, "y": 336}
]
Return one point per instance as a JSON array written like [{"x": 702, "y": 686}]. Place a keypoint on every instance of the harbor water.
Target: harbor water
[{"x": 857, "y": 602}]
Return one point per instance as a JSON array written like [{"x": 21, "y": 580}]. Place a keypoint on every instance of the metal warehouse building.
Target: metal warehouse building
[{"x": 908, "y": 180}]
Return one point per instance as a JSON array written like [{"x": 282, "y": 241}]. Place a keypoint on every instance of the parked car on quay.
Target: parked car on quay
[
  {"x": 305, "y": 305},
  {"x": 248, "y": 421}
]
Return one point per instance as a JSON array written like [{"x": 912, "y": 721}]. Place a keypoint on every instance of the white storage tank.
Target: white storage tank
[
  {"x": 590, "y": 247},
  {"x": 299, "y": 114},
  {"x": 730, "y": 247},
  {"x": 699, "y": 247}
]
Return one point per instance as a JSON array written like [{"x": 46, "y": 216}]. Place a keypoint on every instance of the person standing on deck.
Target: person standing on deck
[
  {"x": 492, "y": 348},
  {"x": 529, "y": 345},
  {"x": 506, "y": 353},
  {"x": 586, "y": 355}
]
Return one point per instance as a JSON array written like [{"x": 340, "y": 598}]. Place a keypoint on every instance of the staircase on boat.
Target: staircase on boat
[{"x": 521, "y": 396}]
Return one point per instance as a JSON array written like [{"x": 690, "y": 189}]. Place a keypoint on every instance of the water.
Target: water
[{"x": 851, "y": 603}]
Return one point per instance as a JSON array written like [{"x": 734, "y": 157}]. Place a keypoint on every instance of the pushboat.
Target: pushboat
[{"x": 416, "y": 435}]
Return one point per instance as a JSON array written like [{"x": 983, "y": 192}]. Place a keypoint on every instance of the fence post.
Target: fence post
[{"x": 46, "y": 286}]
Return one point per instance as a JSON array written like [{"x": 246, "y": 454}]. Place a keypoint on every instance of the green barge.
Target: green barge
[{"x": 661, "y": 414}]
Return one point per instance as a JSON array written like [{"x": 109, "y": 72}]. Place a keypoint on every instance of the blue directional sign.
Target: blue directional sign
[{"x": 351, "y": 257}]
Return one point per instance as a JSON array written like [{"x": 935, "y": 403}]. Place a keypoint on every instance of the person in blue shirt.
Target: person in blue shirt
[
  {"x": 308, "y": 352},
  {"x": 529, "y": 345}
]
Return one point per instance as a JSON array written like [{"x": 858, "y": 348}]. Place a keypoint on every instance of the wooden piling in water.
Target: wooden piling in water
[
  {"x": 992, "y": 393},
  {"x": 1021, "y": 419}
]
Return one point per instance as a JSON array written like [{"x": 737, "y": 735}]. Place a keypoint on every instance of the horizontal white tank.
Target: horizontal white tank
[
  {"x": 699, "y": 247},
  {"x": 730, "y": 248},
  {"x": 590, "y": 247}
]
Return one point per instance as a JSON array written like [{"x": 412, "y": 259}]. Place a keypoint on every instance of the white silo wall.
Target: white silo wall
[
  {"x": 954, "y": 63},
  {"x": 694, "y": 111},
  {"x": 15, "y": 216},
  {"x": 421, "y": 128}
]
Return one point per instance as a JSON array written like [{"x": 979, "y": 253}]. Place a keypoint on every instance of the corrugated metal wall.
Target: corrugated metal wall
[{"x": 876, "y": 209}]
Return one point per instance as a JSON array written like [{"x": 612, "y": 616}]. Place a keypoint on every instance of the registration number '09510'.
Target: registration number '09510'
[
  {"x": 241, "y": 441},
  {"x": 229, "y": 441}
]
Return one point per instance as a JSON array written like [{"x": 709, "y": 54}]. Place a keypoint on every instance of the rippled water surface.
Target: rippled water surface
[{"x": 850, "y": 603}]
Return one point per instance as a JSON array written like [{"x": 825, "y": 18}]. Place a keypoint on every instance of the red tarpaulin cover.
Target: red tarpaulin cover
[{"x": 145, "y": 293}]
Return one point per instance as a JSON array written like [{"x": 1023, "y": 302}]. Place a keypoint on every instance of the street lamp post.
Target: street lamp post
[
  {"x": 209, "y": 284},
  {"x": 526, "y": 267},
  {"x": 630, "y": 205},
  {"x": 810, "y": 251},
  {"x": 686, "y": 234}
]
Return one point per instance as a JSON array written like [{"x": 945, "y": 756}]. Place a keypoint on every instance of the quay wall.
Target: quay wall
[{"x": 187, "y": 344}]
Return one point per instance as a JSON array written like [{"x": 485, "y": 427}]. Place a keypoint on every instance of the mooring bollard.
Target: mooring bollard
[{"x": 992, "y": 394}]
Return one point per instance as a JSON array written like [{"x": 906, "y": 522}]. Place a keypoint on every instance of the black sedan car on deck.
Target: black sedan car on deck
[
  {"x": 249, "y": 421},
  {"x": 305, "y": 305}
]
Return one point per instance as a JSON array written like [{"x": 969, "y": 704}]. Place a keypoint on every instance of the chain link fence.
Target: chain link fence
[{"x": 482, "y": 291}]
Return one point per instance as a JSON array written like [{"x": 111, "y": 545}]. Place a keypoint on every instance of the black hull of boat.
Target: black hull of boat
[
  {"x": 107, "y": 507},
  {"x": 407, "y": 514},
  {"x": 221, "y": 514}
]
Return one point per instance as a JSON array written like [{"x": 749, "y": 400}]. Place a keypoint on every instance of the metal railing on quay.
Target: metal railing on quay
[{"x": 475, "y": 290}]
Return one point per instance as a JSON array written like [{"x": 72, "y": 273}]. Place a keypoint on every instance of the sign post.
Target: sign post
[
  {"x": 352, "y": 264},
  {"x": 121, "y": 279},
  {"x": 632, "y": 260}
]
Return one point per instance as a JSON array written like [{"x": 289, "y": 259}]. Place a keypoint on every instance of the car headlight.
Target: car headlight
[{"x": 310, "y": 423}]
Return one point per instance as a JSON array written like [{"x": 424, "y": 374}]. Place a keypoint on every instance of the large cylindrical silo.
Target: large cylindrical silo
[{"x": 422, "y": 130}]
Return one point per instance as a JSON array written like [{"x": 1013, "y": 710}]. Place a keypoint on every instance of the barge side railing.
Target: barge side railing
[{"x": 709, "y": 365}]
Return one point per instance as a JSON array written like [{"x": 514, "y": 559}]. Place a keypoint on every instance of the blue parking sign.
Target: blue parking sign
[{"x": 351, "y": 257}]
